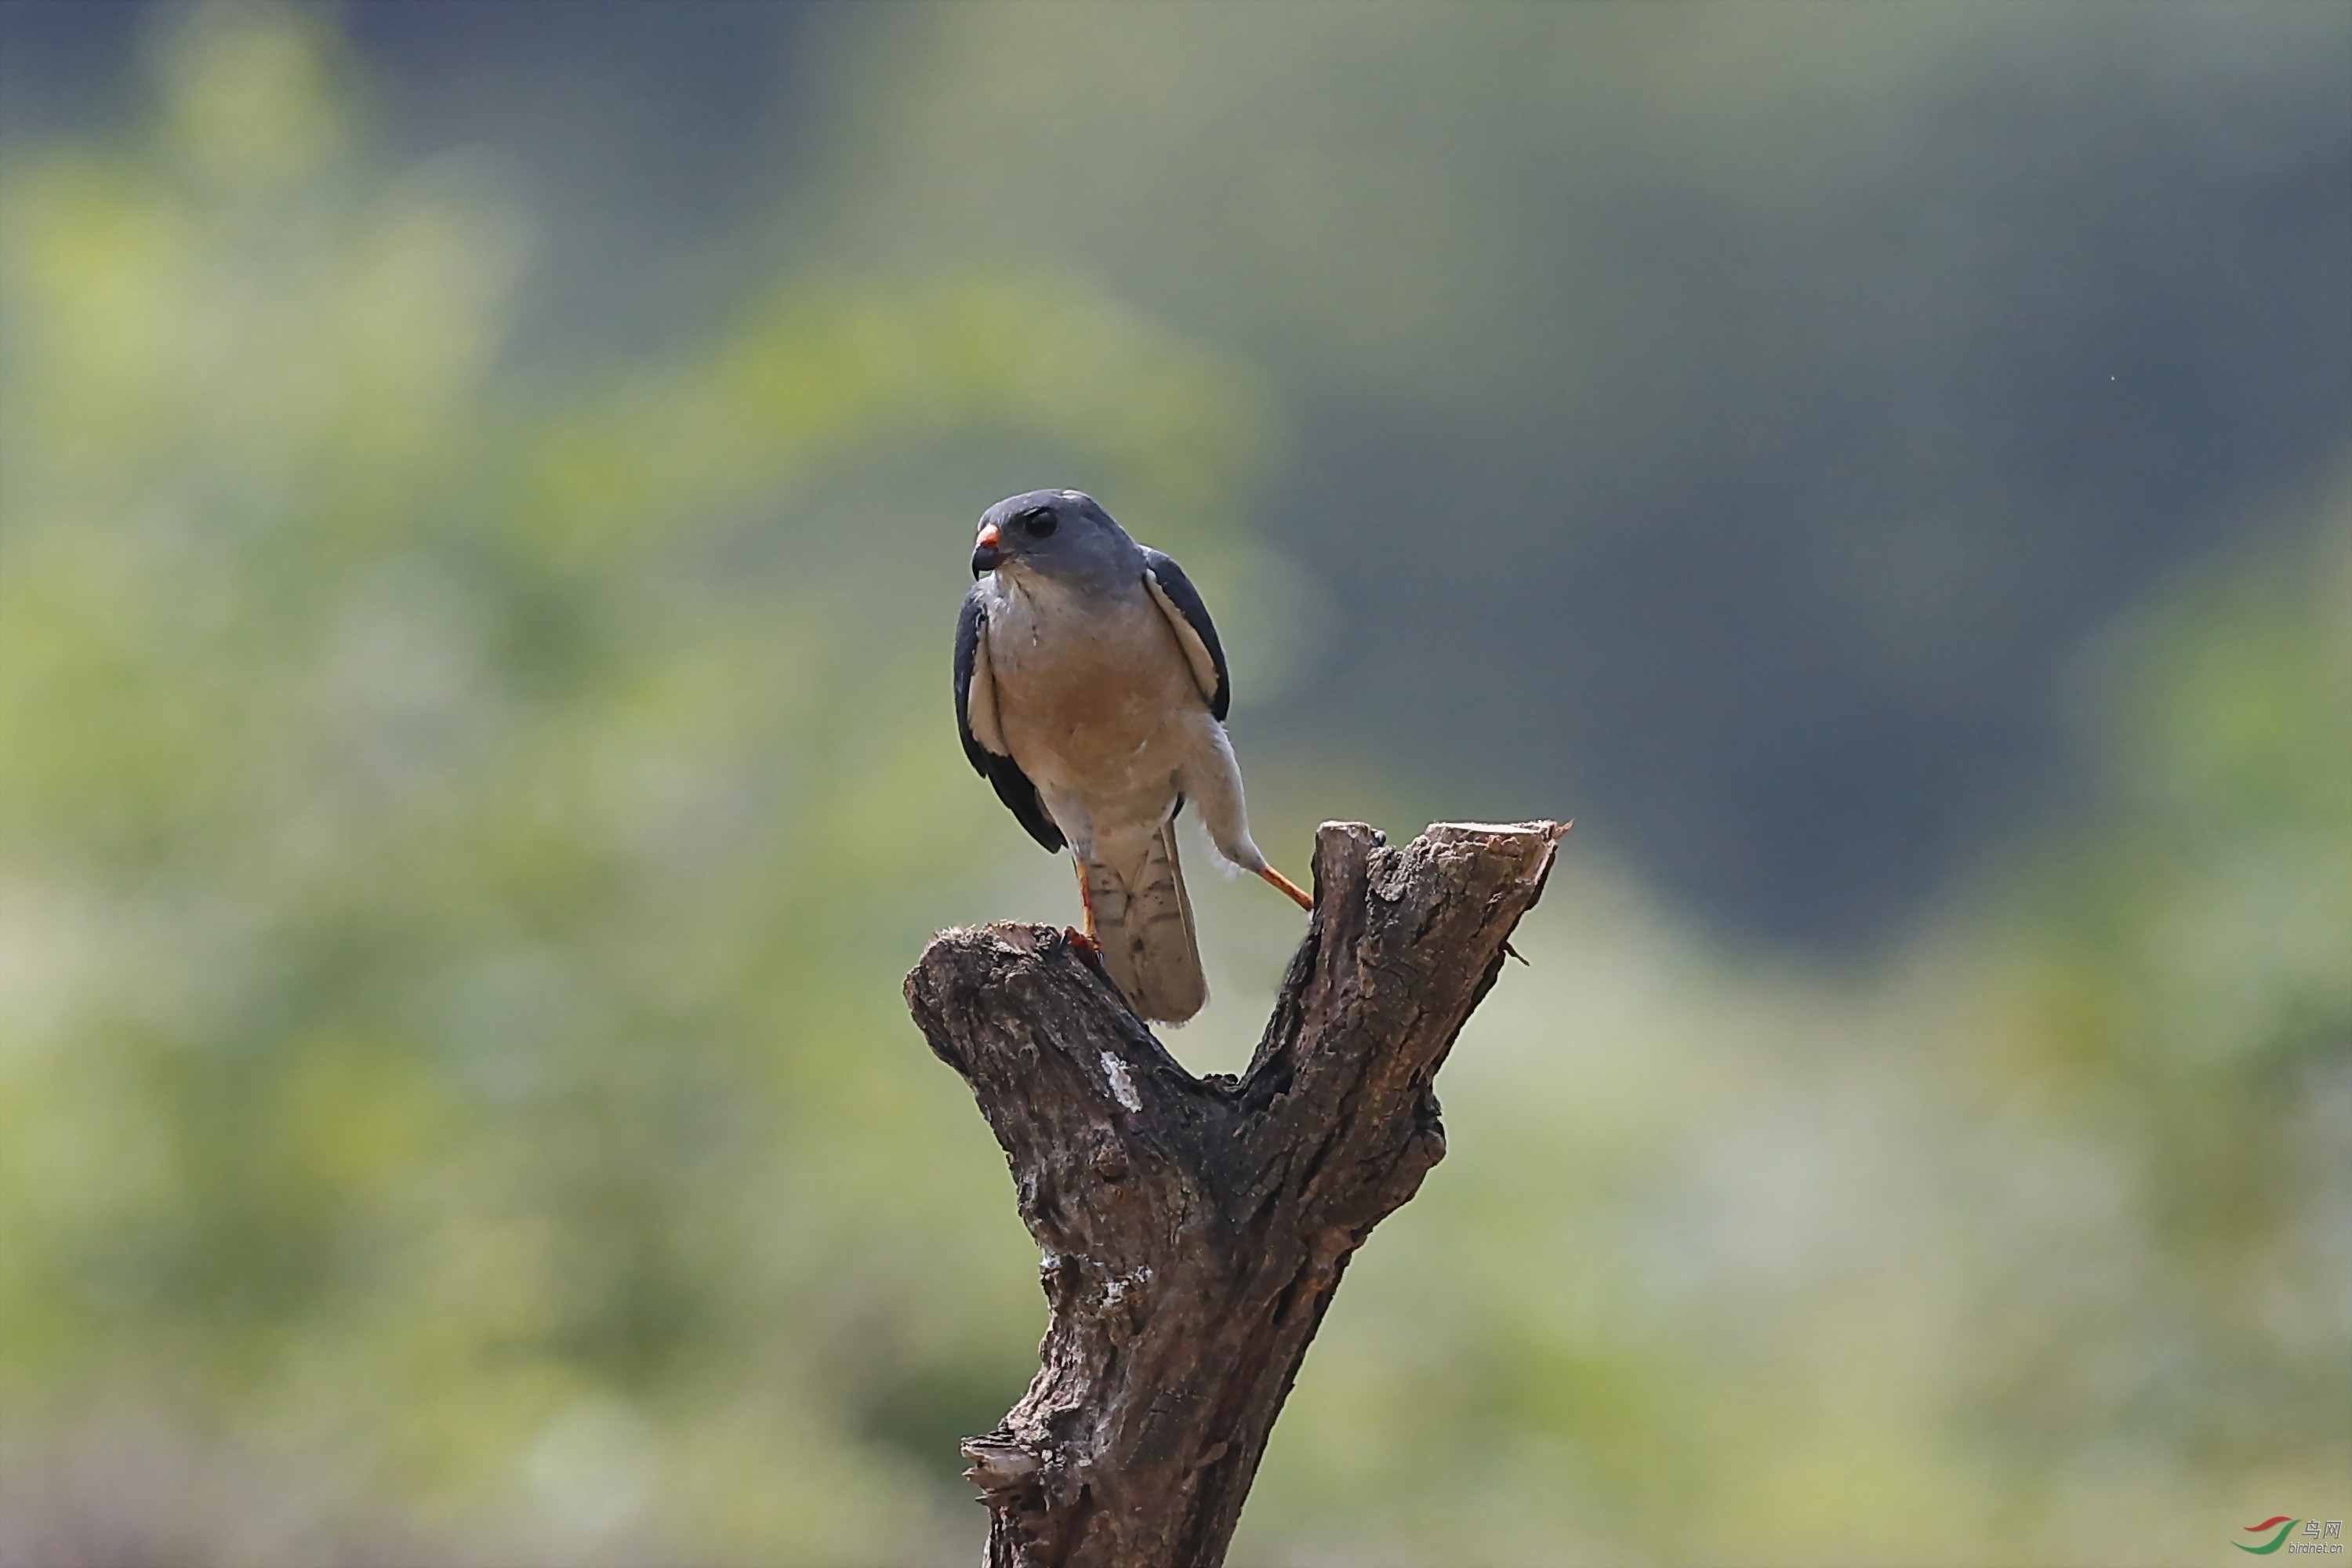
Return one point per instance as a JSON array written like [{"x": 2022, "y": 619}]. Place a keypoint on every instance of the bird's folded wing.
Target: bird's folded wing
[
  {"x": 975, "y": 687},
  {"x": 980, "y": 699},
  {"x": 983, "y": 732},
  {"x": 1188, "y": 617}
]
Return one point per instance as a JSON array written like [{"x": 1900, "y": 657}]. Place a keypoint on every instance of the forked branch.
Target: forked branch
[{"x": 1193, "y": 1229}]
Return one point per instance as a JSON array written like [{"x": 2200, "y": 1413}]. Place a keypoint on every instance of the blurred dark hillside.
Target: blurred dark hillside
[
  {"x": 1721, "y": 423},
  {"x": 643, "y": 139},
  {"x": 1721, "y": 426}
]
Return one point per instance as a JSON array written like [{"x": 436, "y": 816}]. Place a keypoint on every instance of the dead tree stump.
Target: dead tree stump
[{"x": 1194, "y": 1229}]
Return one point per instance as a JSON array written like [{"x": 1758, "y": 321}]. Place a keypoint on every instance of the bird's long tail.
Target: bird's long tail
[{"x": 1145, "y": 922}]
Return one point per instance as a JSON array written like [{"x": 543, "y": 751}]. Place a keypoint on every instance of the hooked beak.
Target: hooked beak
[{"x": 987, "y": 551}]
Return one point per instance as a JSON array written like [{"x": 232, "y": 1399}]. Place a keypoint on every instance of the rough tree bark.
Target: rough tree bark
[{"x": 1194, "y": 1229}]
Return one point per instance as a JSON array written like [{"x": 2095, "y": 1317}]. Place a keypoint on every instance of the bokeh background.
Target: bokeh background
[{"x": 486, "y": 491}]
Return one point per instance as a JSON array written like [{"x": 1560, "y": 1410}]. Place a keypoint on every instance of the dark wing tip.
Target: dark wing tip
[{"x": 1020, "y": 796}]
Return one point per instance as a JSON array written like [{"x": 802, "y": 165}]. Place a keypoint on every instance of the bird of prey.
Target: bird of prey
[{"x": 1090, "y": 689}]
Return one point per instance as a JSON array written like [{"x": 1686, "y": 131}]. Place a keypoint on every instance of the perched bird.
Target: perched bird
[{"x": 1090, "y": 689}]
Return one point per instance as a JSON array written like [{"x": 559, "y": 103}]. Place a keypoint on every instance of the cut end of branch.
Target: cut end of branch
[{"x": 999, "y": 1463}]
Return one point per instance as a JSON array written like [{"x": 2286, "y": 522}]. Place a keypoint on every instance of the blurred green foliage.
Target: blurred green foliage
[
  {"x": 461, "y": 850},
  {"x": 459, "y": 842}
]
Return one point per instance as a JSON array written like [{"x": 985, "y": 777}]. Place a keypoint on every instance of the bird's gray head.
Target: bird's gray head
[{"x": 1062, "y": 535}]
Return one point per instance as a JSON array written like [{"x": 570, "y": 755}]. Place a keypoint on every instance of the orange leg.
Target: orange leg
[
  {"x": 1086, "y": 937},
  {"x": 1298, "y": 896}
]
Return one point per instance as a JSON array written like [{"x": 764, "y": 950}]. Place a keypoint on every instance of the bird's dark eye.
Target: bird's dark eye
[{"x": 1039, "y": 524}]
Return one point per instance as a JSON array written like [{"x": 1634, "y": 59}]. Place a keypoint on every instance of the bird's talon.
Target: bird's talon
[
  {"x": 1080, "y": 940},
  {"x": 1510, "y": 952}
]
